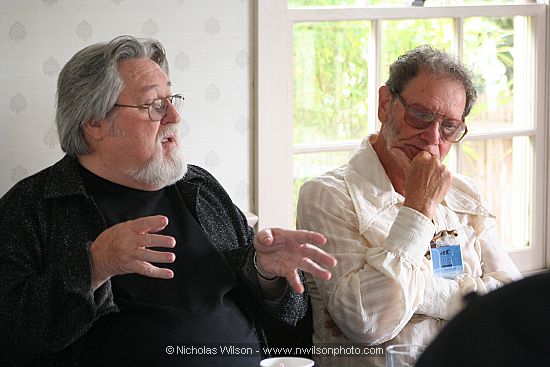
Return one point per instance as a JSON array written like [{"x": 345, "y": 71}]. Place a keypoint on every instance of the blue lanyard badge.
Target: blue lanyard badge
[{"x": 446, "y": 256}]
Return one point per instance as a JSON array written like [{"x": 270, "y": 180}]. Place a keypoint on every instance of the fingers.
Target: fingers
[
  {"x": 308, "y": 265},
  {"x": 143, "y": 257},
  {"x": 427, "y": 183},
  {"x": 401, "y": 158},
  {"x": 155, "y": 256},
  {"x": 123, "y": 249},
  {"x": 263, "y": 238},
  {"x": 267, "y": 240},
  {"x": 148, "y": 270},
  {"x": 319, "y": 256},
  {"x": 295, "y": 282},
  {"x": 150, "y": 224},
  {"x": 156, "y": 240},
  {"x": 286, "y": 236},
  {"x": 309, "y": 237},
  {"x": 282, "y": 252},
  {"x": 142, "y": 263},
  {"x": 314, "y": 269},
  {"x": 424, "y": 155}
]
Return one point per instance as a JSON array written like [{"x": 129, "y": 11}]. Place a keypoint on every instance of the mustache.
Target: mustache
[{"x": 172, "y": 130}]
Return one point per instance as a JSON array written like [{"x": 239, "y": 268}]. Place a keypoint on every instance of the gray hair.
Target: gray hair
[
  {"x": 433, "y": 61},
  {"x": 89, "y": 85}
]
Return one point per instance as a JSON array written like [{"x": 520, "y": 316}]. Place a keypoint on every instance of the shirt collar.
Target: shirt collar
[
  {"x": 370, "y": 188},
  {"x": 372, "y": 192}
]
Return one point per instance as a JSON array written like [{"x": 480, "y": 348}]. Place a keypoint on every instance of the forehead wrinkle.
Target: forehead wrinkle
[
  {"x": 148, "y": 87},
  {"x": 147, "y": 72}
]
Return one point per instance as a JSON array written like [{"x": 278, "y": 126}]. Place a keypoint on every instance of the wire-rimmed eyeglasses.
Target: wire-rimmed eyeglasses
[
  {"x": 419, "y": 117},
  {"x": 158, "y": 107}
]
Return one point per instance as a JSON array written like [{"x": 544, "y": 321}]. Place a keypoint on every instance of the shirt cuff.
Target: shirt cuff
[{"x": 410, "y": 233}]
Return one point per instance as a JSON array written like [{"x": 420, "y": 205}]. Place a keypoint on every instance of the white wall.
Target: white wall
[{"x": 209, "y": 48}]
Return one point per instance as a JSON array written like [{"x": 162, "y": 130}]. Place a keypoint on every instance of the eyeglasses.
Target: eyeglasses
[
  {"x": 419, "y": 117},
  {"x": 158, "y": 107}
]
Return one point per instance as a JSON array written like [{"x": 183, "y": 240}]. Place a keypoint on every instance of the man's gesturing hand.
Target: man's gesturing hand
[
  {"x": 124, "y": 248},
  {"x": 427, "y": 181},
  {"x": 282, "y": 252}
]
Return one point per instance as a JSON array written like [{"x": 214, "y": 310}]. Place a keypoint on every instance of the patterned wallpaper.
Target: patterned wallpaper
[{"x": 209, "y": 49}]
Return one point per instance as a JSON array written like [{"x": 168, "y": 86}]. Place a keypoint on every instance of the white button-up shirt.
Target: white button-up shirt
[{"x": 383, "y": 290}]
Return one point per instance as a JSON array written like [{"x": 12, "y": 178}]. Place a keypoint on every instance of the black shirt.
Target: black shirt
[{"x": 199, "y": 307}]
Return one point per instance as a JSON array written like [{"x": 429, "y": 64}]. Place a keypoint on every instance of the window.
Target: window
[{"x": 320, "y": 64}]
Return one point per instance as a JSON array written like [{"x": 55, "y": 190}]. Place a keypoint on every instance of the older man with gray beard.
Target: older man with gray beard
[
  {"x": 121, "y": 253},
  {"x": 410, "y": 239}
]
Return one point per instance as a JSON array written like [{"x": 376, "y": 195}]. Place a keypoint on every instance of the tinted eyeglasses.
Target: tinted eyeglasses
[
  {"x": 419, "y": 117},
  {"x": 158, "y": 107}
]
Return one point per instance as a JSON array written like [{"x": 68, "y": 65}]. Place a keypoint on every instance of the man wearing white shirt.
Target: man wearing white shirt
[{"x": 411, "y": 240}]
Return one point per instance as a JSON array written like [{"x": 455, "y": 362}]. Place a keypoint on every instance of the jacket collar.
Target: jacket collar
[
  {"x": 372, "y": 192},
  {"x": 64, "y": 179}
]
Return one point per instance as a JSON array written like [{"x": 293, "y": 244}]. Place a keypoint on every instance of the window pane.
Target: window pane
[
  {"x": 489, "y": 50},
  {"x": 330, "y": 81},
  {"x": 399, "y": 36},
  {"x": 505, "y": 164},
  {"x": 309, "y": 165}
]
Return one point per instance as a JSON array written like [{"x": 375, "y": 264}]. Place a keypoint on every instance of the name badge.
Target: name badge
[
  {"x": 446, "y": 256},
  {"x": 447, "y": 261}
]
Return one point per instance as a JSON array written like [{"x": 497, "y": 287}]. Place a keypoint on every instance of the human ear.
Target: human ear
[
  {"x": 384, "y": 104},
  {"x": 96, "y": 130}
]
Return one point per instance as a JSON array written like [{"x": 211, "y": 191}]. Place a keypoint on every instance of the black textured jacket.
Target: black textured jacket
[{"x": 48, "y": 221}]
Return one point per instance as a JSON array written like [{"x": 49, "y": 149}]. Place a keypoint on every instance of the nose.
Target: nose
[
  {"x": 172, "y": 115},
  {"x": 432, "y": 133}
]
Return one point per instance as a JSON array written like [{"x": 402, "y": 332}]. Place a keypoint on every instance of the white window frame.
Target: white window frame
[{"x": 273, "y": 105}]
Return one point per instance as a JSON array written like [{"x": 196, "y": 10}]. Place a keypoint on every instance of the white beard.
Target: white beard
[{"x": 163, "y": 171}]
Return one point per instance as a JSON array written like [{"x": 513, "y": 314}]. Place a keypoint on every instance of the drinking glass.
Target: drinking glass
[{"x": 403, "y": 355}]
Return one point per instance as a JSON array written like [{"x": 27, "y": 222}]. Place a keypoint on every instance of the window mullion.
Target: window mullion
[
  {"x": 273, "y": 58},
  {"x": 374, "y": 71},
  {"x": 459, "y": 36}
]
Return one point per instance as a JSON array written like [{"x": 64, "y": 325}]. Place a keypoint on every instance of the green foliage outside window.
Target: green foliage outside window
[
  {"x": 399, "y": 36},
  {"x": 489, "y": 49},
  {"x": 330, "y": 81}
]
